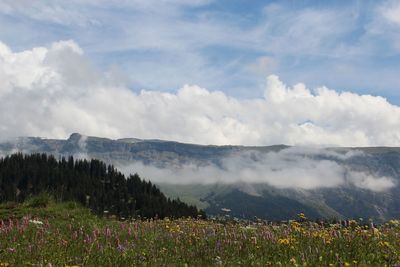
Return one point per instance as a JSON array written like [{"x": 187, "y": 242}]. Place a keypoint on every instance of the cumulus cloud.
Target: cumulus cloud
[
  {"x": 54, "y": 91},
  {"x": 304, "y": 168}
]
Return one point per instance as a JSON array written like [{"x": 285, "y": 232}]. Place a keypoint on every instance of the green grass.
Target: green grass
[
  {"x": 45, "y": 208},
  {"x": 194, "y": 194},
  {"x": 42, "y": 232}
]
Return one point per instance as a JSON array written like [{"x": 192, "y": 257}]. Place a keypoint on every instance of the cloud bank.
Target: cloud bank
[
  {"x": 297, "y": 168},
  {"x": 54, "y": 91}
]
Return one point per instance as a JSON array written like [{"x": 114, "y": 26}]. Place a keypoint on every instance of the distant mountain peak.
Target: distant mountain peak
[{"x": 75, "y": 137}]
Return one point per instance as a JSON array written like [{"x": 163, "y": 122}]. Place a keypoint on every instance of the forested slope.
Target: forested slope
[{"x": 93, "y": 183}]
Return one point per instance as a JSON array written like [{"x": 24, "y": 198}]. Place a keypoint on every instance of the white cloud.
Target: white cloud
[
  {"x": 304, "y": 168},
  {"x": 51, "y": 11},
  {"x": 383, "y": 31},
  {"x": 307, "y": 31},
  {"x": 54, "y": 91},
  {"x": 80, "y": 12},
  {"x": 390, "y": 10},
  {"x": 370, "y": 182}
]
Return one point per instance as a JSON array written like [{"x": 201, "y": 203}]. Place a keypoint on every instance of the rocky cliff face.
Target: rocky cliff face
[{"x": 273, "y": 182}]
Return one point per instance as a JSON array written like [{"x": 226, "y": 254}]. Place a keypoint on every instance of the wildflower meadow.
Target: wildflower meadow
[{"x": 66, "y": 234}]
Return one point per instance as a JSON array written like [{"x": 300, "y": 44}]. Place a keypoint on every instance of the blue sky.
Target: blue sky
[
  {"x": 202, "y": 71},
  {"x": 227, "y": 45}
]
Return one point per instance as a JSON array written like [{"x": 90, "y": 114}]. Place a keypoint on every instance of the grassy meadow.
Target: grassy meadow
[{"x": 44, "y": 233}]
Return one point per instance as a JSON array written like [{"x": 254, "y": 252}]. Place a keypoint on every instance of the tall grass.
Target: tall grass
[{"x": 66, "y": 234}]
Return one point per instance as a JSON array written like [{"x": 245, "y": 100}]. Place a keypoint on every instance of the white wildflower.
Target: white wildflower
[{"x": 36, "y": 222}]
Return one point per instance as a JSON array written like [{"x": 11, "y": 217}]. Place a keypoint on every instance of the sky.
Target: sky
[{"x": 202, "y": 71}]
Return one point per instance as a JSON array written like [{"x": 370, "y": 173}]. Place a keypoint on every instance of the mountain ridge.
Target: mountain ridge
[{"x": 345, "y": 181}]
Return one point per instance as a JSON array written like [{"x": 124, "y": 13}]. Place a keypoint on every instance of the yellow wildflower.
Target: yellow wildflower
[
  {"x": 302, "y": 216},
  {"x": 283, "y": 241}
]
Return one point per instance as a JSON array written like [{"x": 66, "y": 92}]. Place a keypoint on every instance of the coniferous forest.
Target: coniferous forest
[{"x": 94, "y": 184}]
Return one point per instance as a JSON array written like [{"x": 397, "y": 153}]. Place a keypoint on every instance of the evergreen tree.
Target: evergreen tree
[{"x": 92, "y": 183}]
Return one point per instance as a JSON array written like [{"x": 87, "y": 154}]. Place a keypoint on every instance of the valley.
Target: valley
[{"x": 269, "y": 182}]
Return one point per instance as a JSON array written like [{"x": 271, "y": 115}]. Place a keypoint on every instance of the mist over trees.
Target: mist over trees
[{"x": 92, "y": 183}]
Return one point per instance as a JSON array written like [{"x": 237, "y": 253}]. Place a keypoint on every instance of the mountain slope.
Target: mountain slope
[
  {"x": 274, "y": 182},
  {"x": 92, "y": 183}
]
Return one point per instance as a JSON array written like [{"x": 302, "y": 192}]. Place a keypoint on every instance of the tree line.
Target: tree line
[{"x": 93, "y": 183}]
